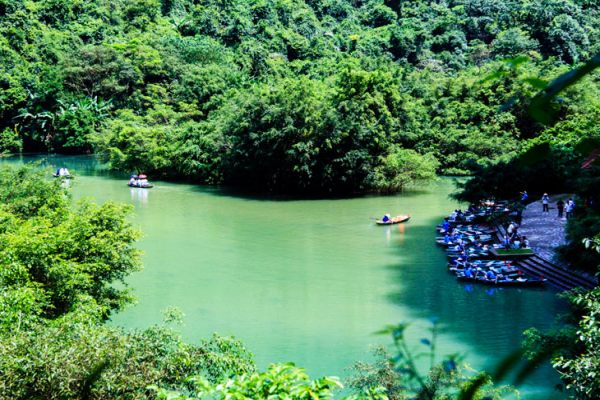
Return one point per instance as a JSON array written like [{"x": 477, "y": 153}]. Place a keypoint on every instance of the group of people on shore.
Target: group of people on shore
[{"x": 565, "y": 210}]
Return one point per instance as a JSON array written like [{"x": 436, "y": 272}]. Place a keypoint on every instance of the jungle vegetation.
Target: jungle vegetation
[{"x": 326, "y": 96}]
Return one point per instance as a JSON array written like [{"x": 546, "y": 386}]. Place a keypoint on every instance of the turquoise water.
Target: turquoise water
[{"x": 309, "y": 281}]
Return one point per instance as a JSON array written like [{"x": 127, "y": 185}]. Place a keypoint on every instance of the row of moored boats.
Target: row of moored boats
[{"x": 468, "y": 241}]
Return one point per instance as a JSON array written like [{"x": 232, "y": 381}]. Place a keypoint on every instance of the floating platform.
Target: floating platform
[{"x": 511, "y": 253}]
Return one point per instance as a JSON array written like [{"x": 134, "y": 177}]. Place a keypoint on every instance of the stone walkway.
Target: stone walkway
[{"x": 545, "y": 231}]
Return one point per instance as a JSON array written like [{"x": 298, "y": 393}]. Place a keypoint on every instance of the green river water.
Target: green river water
[{"x": 309, "y": 281}]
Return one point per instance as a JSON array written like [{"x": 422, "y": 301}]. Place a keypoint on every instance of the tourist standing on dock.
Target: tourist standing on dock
[
  {"x": 560, "y": 205},
  {"x": 545, "y": 203}
]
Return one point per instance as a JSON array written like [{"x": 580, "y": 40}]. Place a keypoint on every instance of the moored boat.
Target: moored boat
[{"x": 511, "y": 279}]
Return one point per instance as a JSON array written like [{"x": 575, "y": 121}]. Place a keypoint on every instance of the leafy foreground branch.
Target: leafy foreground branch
[
  {"x": 393, "y": 376},
  {"x": 397, "y": 375},
  {"x": 280, "y": 381},
  {"x": 575, "y": 348},
  {"x": 58, "y": 266}
]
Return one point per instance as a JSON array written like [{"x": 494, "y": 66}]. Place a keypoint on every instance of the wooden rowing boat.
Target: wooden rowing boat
[
  {"x": 396, "y": 220},
  {"x": 520, "y": 281}
]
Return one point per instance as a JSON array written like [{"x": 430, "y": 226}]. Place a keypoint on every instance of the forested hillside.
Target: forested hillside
[{"x": 291, "y": 95}]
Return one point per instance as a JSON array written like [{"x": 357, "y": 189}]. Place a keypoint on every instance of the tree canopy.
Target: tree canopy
[{"x": 286, "y": 95}]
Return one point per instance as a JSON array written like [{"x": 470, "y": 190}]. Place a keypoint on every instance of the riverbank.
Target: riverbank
[{"x": 546, "y": 232}]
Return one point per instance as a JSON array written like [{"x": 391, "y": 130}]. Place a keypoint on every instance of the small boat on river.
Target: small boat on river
[
  {"x": 140, "y": 182},
  {"x": 144, "y": 186},
  {"x": 62, "y": 173},
  {"x": 396, "y": 220}
]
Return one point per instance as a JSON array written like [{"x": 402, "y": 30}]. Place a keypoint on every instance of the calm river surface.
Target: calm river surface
[{"x": 308, "y": 281}]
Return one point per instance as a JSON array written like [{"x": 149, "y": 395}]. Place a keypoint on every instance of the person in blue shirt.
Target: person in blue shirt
[
  {"x": 490, "y": 276},
  {"x": 446, "y": 225},
  {"x": 447, "y": 238},
  {"x": 469, "y": 272},
  {"x": 386, "y": 218}
]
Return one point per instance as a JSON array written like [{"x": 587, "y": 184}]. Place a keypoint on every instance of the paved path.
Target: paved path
[{"x": 545, "y": 231}]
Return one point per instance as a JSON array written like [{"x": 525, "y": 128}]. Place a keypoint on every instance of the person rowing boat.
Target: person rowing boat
[
  {"x": 139, "y": 181},
  {"x": 387, "y": 220}
]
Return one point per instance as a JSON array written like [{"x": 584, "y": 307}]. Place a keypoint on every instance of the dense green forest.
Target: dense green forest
[{"x": 291, "y": 95}]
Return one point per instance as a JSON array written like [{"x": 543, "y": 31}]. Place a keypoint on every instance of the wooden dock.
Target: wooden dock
[{"x": 560, "y": 277}]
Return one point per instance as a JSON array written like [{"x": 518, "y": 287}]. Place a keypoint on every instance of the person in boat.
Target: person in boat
[
  {"x": 143, "y": 181},
  {"x": 490, "y": 275},
  {"x": 62, "y": 171},
  {"x": 446, "y": 225},
  {"x": 447, "y": 239},
  {"x": 469, "y": 272},
  {"x": 386, "y": 218},
  {"x": 506, "y": 242},
  {"x": 452, "y": 216},
  {"x": 133, "y": 181}
]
